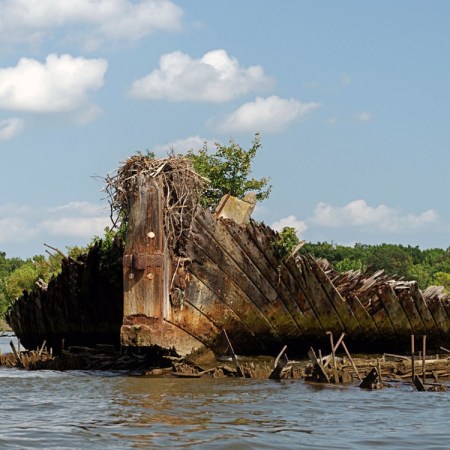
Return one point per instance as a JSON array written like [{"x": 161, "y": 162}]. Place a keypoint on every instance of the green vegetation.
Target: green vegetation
[
  {"x": 286, "y": 243},
  {"x": 7, "y": 267},
  {"x": 428, "y": 267},
  {"x": 228, "y": 169}
]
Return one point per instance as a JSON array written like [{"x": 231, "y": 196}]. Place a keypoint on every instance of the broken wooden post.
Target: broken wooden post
[
  {"x": 424, "y": 344},
  {"x": 333, "y": 355},
  {"x": 318, "y": 367},
  {"x": 351, "y": 361},
  {"x": 280, "y": 363},
  {"x": 42, "y": 348},
  {"x": 418, "y": 384},
  {"x": 372, "y": 380},
  {"x": 412, "y": 358},
  {"x": 338, "y": 343},
  {"x": 233, "y": 356},
  {"x": 16, "y": 354}
]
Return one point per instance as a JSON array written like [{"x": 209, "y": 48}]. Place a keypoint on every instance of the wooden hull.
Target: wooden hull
[
  {"x": 187, "y": 275},
  {"x": 233, "y": 280}
]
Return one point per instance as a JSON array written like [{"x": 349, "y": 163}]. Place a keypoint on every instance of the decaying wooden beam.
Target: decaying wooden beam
[
  {"x": 281, "y": 362},
  {"x": 233, "y": 356}
]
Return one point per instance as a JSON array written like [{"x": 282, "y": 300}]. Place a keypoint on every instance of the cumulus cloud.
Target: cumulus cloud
[
  {"x": 267, "y": 115},
  {"x": 215, "y": 77},
  {"x": 83, "y": 227},
  {"x": 93, "y": 20},
  {"x": 364, "y": 117},
  {"x": 345, "y": 79},
  {"x": 359, "y": 214},
  {"x": 10, "y": 128},
  {"x": 15, "y": 229},
  {"x": 332, "y": 120},
  {"x": 183, "y": 145},
  {"x": 290, "y": 221},
  {"x": 78, "y": 208},
  {"x": 21, "y": 223},
  {"x": 59, "y": 85}
]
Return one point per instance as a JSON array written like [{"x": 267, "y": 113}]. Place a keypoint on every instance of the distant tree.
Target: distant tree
[
  {"x": 427, "y": 267},
  {"x": 228, "y": 169},
  {"x": 442, "y": 279},
  {"x": 350, "y": 264},
  {"x": 394, "y": 259},
  {"x": 7, "y": 266}
]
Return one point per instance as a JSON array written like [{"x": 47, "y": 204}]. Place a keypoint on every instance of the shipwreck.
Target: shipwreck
[{"x": 186, "y": 273}]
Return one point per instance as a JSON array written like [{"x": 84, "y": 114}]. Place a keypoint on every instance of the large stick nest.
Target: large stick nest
[{"x": 182, "y": 190}]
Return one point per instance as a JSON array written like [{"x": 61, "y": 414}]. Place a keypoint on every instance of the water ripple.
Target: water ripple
[{"x": 72, "y": 410}]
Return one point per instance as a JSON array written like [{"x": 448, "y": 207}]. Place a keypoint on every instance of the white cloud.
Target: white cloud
[
  {"x": 345, "y": 79},
  {"x": 290, "y": 221},
  {"x": 15, "y": 229},
  {"x": 183, "y": 145},
  {"x": 332, "y": 120},
  {"x": 84, "y": 227},
  {"x": 79, "y": 208},
  {"x": 215, "y": 77},
  {"x": 93, "y": 20},
  {"x": 359, "y": 214},
  {"x": 60, "y": 85},
  {"x": 266, "y": 115},
  {"x": 364, "y": 117},
  {"x": 10, "y": 128},
  {"x": 21, "y": 223}
]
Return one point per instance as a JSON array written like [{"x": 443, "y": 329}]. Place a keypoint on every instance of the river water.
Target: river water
[{"x": 105, "y": 410}]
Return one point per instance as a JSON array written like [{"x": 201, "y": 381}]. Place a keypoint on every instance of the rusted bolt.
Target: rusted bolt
[
  {"x": 151, "y": 235},
  {"x": 130, "y": 275}
]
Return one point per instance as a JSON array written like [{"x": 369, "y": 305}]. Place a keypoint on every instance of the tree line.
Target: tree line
[{"x": 428, "y": 267}]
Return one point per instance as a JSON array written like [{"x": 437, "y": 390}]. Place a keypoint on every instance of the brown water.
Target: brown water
[{"x": 101, "y": 410}]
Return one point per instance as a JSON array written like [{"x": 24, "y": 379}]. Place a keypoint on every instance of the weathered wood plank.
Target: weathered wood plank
[
  {"x": 348, "y": 319},
  {"x": 395, "y": 312},
  {"x": 312, "y": 326},
  {"x": 275, "y": 313},
  {"x": 144, "y": 287},
  {"x": 269, "y": 272},
  {"x": 317, "y": 296},
  {"x": 368, "y": 327},
  {"x": 212, "y": 275},
  {"x": 425, "y": 314},
  {"x": 221, "y": 314},
  {"x": 381, "y": 319},
  {"x": 440, "y": 317},
  {"x": 409, "y": 306}
]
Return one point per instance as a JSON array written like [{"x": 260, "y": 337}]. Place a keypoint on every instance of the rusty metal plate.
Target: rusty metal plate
[{"x": 142, "y": 261}]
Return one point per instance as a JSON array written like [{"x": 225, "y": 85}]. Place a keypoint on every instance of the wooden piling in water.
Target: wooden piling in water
[{"x": 424, "y": 344}]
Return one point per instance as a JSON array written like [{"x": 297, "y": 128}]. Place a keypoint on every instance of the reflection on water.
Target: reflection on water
[{"x": 98, "y": 410}]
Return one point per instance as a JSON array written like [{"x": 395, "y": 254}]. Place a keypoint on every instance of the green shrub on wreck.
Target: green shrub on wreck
[
  {"x": 286, "y": 242},
  {"x": 228, "y": 170}
]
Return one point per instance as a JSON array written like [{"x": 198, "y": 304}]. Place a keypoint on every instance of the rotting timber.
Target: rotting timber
[
  {"x": 81, "y": 306},
  {"x": 189, "y": 274}
]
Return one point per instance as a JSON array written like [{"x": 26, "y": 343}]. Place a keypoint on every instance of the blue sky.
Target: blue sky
[{"x": 351, "y": 99}]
